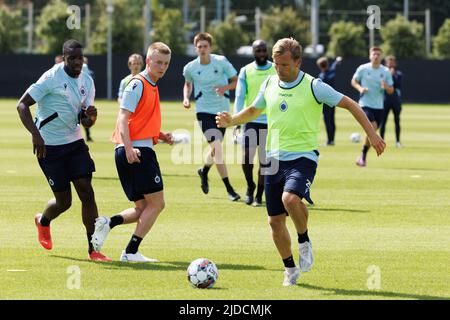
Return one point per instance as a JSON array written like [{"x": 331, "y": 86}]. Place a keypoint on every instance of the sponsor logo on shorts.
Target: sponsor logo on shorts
[
  {"x": 50, "y": 182},
  {"x": 308, "y": 186},
  {"x": 157, "y": 179}
]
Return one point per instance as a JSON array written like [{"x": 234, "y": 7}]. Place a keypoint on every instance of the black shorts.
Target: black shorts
[
  {"x": 294, "y": 176},
  {"x": 207, "y": 122},
  {"x": 374, "y": 115},
  {"x": 65, "y": 163},
  {"x": 138, "y": 179},
  {"x": 253, "y": 134}
]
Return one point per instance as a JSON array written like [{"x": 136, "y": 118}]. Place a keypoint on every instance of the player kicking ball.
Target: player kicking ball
[
  {"x": 137, "y": 131},
  {"x": 293, "y": 103}
]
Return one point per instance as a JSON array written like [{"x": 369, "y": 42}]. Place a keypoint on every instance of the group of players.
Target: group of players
[{"x": 279, "y": 104}]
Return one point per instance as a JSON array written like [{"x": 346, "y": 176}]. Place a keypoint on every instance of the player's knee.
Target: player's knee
[
  {"x": 63, "y": 204},
  {"x": 290, "y": 200},
  {"x": 87, "y": 196},
  {"x": 276, "y": 224}
]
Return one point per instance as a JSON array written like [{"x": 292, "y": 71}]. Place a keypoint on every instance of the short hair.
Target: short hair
[
  {"x": 203, "y": 36},
  {"x": 136, "y": 56},
  {"x": 375, "y": 48},
  {"x": 70, "y": 45},
  {"x": 322, "y": 62},
  {"x": 259, "y": 43},
  {"x": 159, "y": 47},
  {"x": 390, "y": 57},
  {"x": 287, "y": 45}
]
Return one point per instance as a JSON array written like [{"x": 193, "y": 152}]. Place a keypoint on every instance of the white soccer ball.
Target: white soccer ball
[
  {"x": 202, "y": 273},
  {"x": 355, "y": 137}
]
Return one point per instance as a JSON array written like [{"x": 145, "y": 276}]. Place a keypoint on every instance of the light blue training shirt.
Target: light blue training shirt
[
  {"x": 241, "y": 91},
  {"x": 205, "y": 78},
  {"x": 130, "y": 100},
  {"x": 60, "y": 99},
  {"x": 370, "y": 77},
  {"x": 324, "y": 94}
]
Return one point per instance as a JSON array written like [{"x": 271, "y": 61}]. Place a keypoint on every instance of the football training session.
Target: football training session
[{"x": 224, "y": 150}]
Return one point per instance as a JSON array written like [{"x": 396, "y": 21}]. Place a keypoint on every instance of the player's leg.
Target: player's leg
[
  {"x": 209, "y": 130},
  {"x": 250, "y": 142},
  {"x": 328, "y": 117},
  {"x": 297, "y": 187},
  {"x": 374, "y": 118},
  {"x": 383, "y": 123},
  {"x": 262, "y": 137},
  {"x": 397, "y": 109},
  {"x": 277, "y": 222}
]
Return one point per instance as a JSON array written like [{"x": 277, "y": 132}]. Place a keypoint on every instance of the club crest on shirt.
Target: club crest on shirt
[
  {"x": 283, "y": 106},
  {"x": 65, "y": 86},
  {"x": 83, "y": 91}
]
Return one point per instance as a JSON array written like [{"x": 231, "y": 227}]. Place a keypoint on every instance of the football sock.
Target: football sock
[
  {"x": 227, "y": 184},
  {"x": 248, "y": 173},
  {"x": 44, "y": 221},
  {"x": 91, "y": 248},
  {"x": 303, "y": 237},
  {"x": 364, "y": 151},
  {"x": 205, "y": 169},
  {"x": 289, "y": 262},
  {"x": 115, "y": 221},
  {"x": 133, "y": 245},
  {"x": 260, "y": 190}
]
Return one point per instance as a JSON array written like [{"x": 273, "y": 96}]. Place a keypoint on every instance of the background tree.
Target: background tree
[
  {"x": 12, "y": 32},
  {"x": 346, "y": 40},
  {"x": 127, "y": 28},
  {"x": 402, "y": 38},
  {"x": 169, "y": 28},
  {"x": 441, "y": 43},
  {"x": 52, "y": 30},
  {"x": 227, "y": 36},
  {"x": 280, "y": 23}
]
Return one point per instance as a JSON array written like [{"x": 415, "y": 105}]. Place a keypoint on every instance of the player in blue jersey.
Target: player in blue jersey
[
  {"x": 212, "y": 77},
  {"x": 328, "y": 74},
  {"x": 393, "y": 101},
  {"x": 251, "y": 76},
  {"x": 372, "y": 80},
  {"x": 65, "y": 97},
  {"x": 135, "y": 64}
]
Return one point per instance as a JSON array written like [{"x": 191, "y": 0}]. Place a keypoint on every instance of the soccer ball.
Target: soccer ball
[
  {"x": 355, "y": 137},
  {"x": 202, "y": 273}
]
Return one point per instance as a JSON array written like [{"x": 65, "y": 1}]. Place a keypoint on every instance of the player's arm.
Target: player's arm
[
  {"x": 375, "y": 140},
  {"x": 385, "y": 84},
  {"x": 23, "y": 108},
  {"x": 122, "y": 121},
  {"x": 187, "y": 91},
  {"x": 358, "y": 86},
  {"x": 225, "y": 119},
  {"x": 230, "y": 86}
]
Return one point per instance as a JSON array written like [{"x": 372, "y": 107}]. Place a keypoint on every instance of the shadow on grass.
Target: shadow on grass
[
  {"x": 312, "y": 208},
  {"x": 373, "y": 293},
  {"x": 162, "y": 265}
]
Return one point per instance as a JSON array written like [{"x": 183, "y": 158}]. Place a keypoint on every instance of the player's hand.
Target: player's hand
[
  {"x": 363, "y": 90},
  {"x": 377, "y": 143},
  {"x": 186, "y": 103},
  {"x": 220, "y": 91},
  {"x": 223, "y": 119},
  {"x": 168, "y": 138},
  {"x": 38, "y": 146},
  {"x": 339, "y": 59},
  {"x": 133, "y": 155}
]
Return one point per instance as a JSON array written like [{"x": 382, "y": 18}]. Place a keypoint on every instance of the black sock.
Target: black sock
[
  {"x": 364, "y": 151},
  {"x": 303, "y": 237},
  {"x": 44, "y": 221},
  {"x": 115, "y": 221},
  {"x": 133, "y": 245},
  {"x": 260, "y": 191},
  {"x": 205, "y": 169},
  {"x": 91, "y": 248},
  {"x": 289, "y": 262},
  {"x": 227, "y": 184},
  {"x": 248, "y": 173}
]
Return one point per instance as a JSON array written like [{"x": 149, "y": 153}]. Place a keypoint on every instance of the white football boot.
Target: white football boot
[
  {"x": 102, "y": 229},
  {"x": 306, "y": 256},
  {"x": 290, "y": 276},
  {"x": 135, "y": 257}
]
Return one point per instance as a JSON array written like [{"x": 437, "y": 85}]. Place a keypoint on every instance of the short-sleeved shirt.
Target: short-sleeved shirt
[
  {"x": 123, "y": 85},
  {"x": 130, "y": 100},
  {"x": 323, "y": 92},
  {"x": 206, "y": 77},
  {"x": 60, "y": 99},
  {"x": 370, "y": 77}
]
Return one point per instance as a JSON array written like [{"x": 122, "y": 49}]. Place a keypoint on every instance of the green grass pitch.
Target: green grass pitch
[{"x": 381, "y": 232}]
